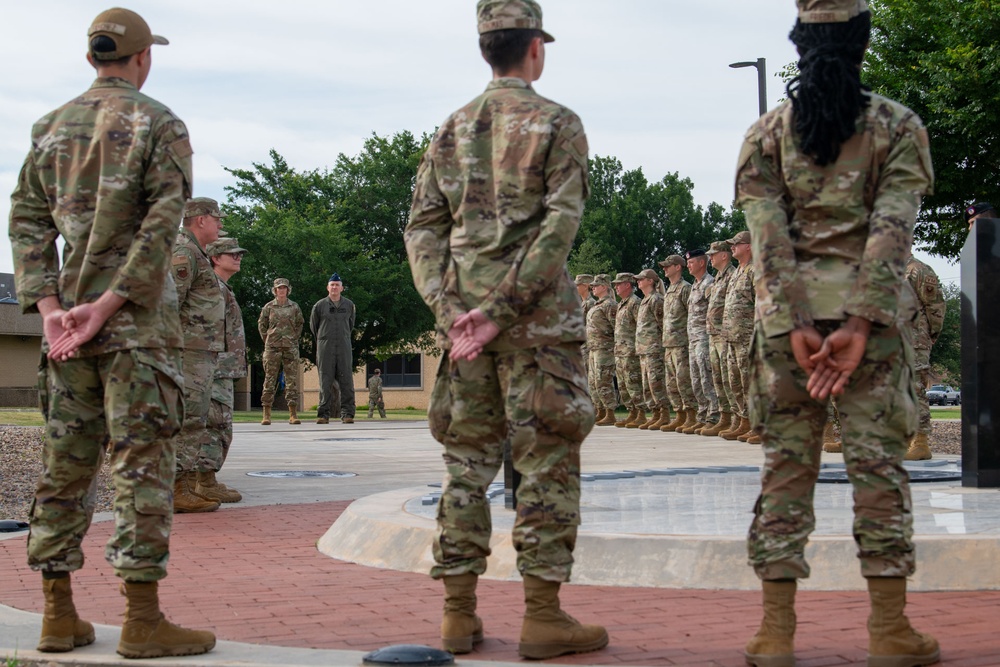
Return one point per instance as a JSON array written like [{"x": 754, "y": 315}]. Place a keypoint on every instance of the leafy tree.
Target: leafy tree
[{"x": 946, "y": 355}]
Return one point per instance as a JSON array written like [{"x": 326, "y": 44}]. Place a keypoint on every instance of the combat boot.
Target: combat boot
[
  {"x": 608, "y": 419},
  {"x": 919, "y": 449},
  {"x": 830, "y": 442},
  {"x": 621, "y": 423},
  {"x": 461, "y": 628},
  {"x": 654, "y": 417},
  {"x": 892, "y": 641},
  {"x": 773, "y": 645},
  {"x": 678, "y": 421},
  {"x": 547, "y": 631},
  {"x": 698, "y": 424},
  {"x": 185, "y": 500},
  {"x": 62, "y": 629},
  {"x": 638, "y": 420},
  {"x": 323, "y": 420},
  {"x": 266, "y": 420},
  {"x": 147, "y": 634},
  {"x": 690, "y": 419},
  {"x": 754, "y": 439},
  {"x": 207, "y": 486},
  {"x": 293, "y": 415},
  {"x": 742, "y": 427},
  {"x": 722, "y": 425},
  {"x": 598, "y": 414}
]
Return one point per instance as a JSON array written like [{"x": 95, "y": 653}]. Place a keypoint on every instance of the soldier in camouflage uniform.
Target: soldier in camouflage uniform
[
  {"x": 699, "y": 355},
  {"x": 496, "y": 206},
  {"x": 831, "y": 190},
  {"x": 926, "y": 328},
  {"x": 226, "y": 256},
  {"x": 627, "y": 368},
  {"x": 587, "y": 301},
  {"x": 721, "y": 257},
  {"x": 649, "y": 347},
  {"x": 109, "y": 172},
  {"x": 677, "y": 366},
  {"x": 601, "y": 346},
  {"x": 375, "y": 399},
  {"x": 737, "y": 325},
  {"x": 203, "y": 313},
  {"x": 280, "y": 327}
]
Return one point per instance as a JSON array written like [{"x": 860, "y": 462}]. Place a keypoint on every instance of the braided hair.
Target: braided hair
[{"x": 828, "y": 96}]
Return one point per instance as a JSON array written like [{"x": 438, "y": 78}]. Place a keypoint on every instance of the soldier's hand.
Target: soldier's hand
[
  {"x": 55, "y": 332},
  {"x": 79, "y": 325},
  {"x": 840, "y": 354},
  {"x": 806, "y": 342},
  {"x": 477, "y": 332}
]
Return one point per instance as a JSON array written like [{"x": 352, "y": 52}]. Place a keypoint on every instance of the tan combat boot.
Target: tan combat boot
[
  {"x": 830, "y": 442},
  {"x": 691, "y": 428},
  {"x": 919, "y": 449},
  {"x": 677, "y": 421},
  {"x": 892, "y": 641},
  {"x": 608, "y": 419},
  {"x": 722, "y": 425},
  {"x": 461, "y": 628},
  {"x": 621, "y": 423},
  {"x": 743, "y": 426},
  {"x": 62, "y": 629},
  {"x": 599, "y": 413},
  {"x": 323, "y": 420},
  {"x": 147, "y": 634},
  {"x": 773, "y": 645},
  {"x": 209, "y": 487},
  {"x": 690, "y": 419},
  {"x": 266, "y": 419},
  {"x": 654, "y": 416},
  {"x": 185, "y": 500},
  {"x": 547, "y": 631},
  {"x": 293, "y": 416},
  {"x": 638, "y": 420},
  {"x": 754, "y": 439}
]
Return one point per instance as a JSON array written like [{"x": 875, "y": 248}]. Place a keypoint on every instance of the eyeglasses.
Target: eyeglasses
[{"x": 236, "y": 255}]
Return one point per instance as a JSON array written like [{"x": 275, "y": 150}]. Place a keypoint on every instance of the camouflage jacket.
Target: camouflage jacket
[
  {"x": 280, "y": 327},
  {"x": 496, "y": 206},
  {"x": 375, "y": 387},
  {"x": 930, "y": 318},
  {"x": 109, "y": 172},
  {"x": 232, "y": 363},
  {"x": 202, "y": 306},
  {"x": 675, "y": 314},
  {"x": 830, "y": 242},
  {"x": 625, "y": 325},
  {"x": 601, "y": 325},
  {"x": 649, "y": 325},
  {"x": 738, "y": 316},
  {"x": 697, "y": 326},
  {"x": 717, "y": 300}
]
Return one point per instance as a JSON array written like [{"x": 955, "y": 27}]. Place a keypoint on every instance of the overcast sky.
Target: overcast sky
[{"x": 313, "y": 78}]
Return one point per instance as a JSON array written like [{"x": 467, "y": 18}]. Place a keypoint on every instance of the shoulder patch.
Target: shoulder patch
[{"x": 182, "y": 148}]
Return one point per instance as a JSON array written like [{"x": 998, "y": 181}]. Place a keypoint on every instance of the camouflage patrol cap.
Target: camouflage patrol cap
[
  {"x": 126, "y": 29},
  {"x": 719, "y": 246},
  {"x": 584, "y": 279},
  {"x": 623, "y": 277},
  {"x": 830, "y": 11},
  {"x": 742, "y": 237},
  {"x": 506, "y": 14},
  {"x": 646, "y": 274},
  {"x": 601, "y": 279},
  {"x": 673, "y": 260},
  {"x": 202, "y": 206},
  {"x": 281, "y": 282},
  {"x": 223, "y": 246}
]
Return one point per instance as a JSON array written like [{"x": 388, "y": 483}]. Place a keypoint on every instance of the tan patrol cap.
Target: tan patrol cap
[
  {"x": 830, "y": 11},
  {"x": 506, "y": 14},
  {"x": 673, "y": 260},
  {"x": 601, "y": 279},
  {"x": 719, "y": 246},
  {"x": 202, "y": 206},
  {"x": 127, "y": 29},
  {"x": 223, "y": 246},
  {"x": 647, "y": 274},
  {"x": 281, "y": 282},
  {"x": 623, "y": 277},
  {"x": 742, "y": 237},
  {"x": 584, "y": 279}
]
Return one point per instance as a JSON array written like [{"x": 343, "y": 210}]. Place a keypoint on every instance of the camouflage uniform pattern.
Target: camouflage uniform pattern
[
  {"x": 828, "y": 243},
  {"x": 109, "y": 172},
  {"x": 375, "y": 399},
  {"x": 586, "y": 305},
  {"x": 717, "y": 344},
  {"x": 601, "y": 343},
  {"x": 280, "y": 328},
  {"x": 737, "y": 327},
  {"x": 488, "y": 233},
  {"x": 677, "y": 365},
  {"x": 627, "y": 367},
  {"x": 231, "y": 364},
  {"x": 926, "y": 328},
  {"x": 699, "y": 351},
  {"x": 649, "y": 346}
]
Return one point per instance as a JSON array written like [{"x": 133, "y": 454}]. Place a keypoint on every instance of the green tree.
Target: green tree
[{"x": 946, "y": 355}]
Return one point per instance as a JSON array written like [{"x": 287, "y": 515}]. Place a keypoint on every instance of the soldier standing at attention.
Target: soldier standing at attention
[
  {"x": 332, "y": 325},
  {"x": 649, "y": 347},
  {"x": 203, "y": 313},
  {"x": 587, "y": 301},
  {"x": 721, "y": 258},
  {"x": 676, "y": 365},
  {"x": 627, "y": 368},
  {"x": 737, "y": 323},
  {"x": 280, "y": 327},
  {"x": 831, "y": 182},
  {"x": 226, "y": 256},
  {"x": 698, "y": 348},
  {"x": 496, "y": 206},
  {"x": 926, "y": 329},
  {"x": 601, "y": 343},
  {"x": 375, "y": 395},
  {"x": 109, "y": 172}
]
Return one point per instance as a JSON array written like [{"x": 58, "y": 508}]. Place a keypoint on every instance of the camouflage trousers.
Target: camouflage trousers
[
  {"x": 878, "y": 416},
  {"x": 701, "y": 381},
  {"x": 220, "y": 424},
  {"x": 274, "y": 359},
  {"x": 537, "y": 400},
  {"x": 199, "y": 370},
  {"x": 677, "y": 368},
  {"x": 629, "y": 374},
  {"x": 738, "y": 364},
  {"x": 128, "y": 403},
  {"x": 654, "y": 385},
  {"x": 375, "y": 401},
  {"x": 921, "y": 379},
  {"x": 719, "y": 359},
  {"x": 602, "y": 368}
]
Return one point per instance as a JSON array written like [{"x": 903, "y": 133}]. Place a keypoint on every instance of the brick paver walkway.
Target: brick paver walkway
[{"x": 254, "y": 575}]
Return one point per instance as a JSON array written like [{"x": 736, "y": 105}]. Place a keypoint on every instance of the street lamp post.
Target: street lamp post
[{"x": 761, "y": 81}]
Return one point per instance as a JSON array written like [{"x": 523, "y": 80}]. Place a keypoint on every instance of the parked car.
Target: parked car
[{"x": 942, "y": 394}]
